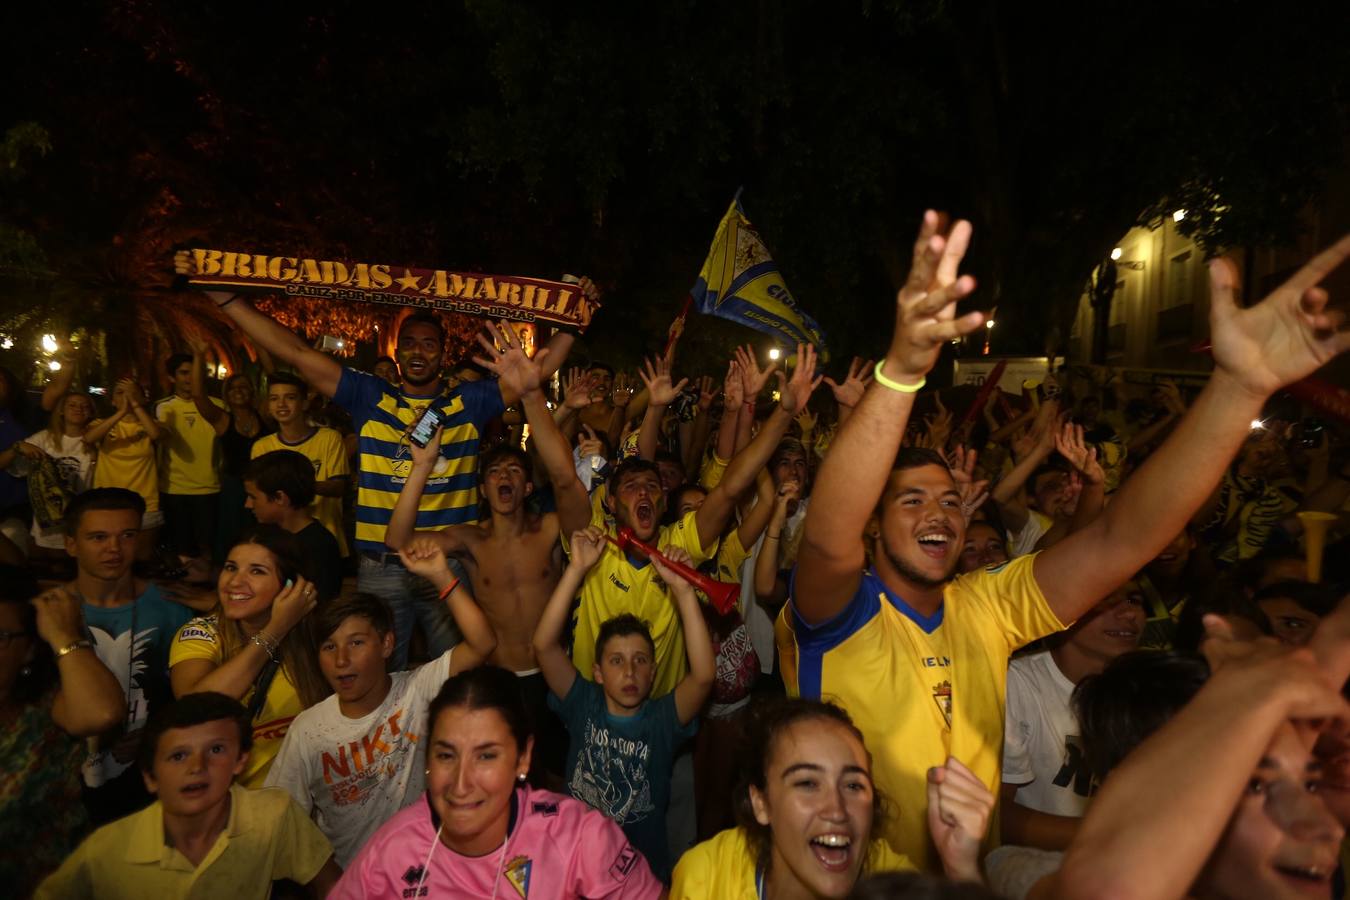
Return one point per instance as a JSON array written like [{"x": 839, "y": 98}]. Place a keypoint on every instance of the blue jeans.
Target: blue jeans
[{"x": 410, "y": 597}]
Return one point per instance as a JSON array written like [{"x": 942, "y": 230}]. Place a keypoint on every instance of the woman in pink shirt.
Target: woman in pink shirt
[{"x": 481, "y": 831}]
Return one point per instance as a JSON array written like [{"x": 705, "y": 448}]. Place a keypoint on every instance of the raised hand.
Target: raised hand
[
  {"x": 753, "y": 378},
  {"x": 1171, "y": 398},
  {"x": 848, "y": 392},
  {"x": 655, "y": 375},
  {"x": 590, "y": 444},
  {"x": 622, "y": 391},
  {"x": 973, "y": 492},
  {"x": 424, "y": 556},
  {"x": 577, "y": 387},
  {"x": 959, "y": 807},
  {"x": 1287, "y": 336},
  {"x": 733, "y": 387},
  {"x": 1069, "y": 442},
  {"x": 925, "y": 308},
  {"x": 507, "y": 360},
  {"x": 60, "y": 619},
  {"x": 788, "y": 491},
  {"x": 794, "y": 392},
  {"x": 291, "y": 604},
  {"x": 806, "y": 422},
  {"x": 939, "y": 426},
  {"x": 426, "y": 456},
  {"x": 586, "y": 546},
  {"x": 707, "y": 393}
]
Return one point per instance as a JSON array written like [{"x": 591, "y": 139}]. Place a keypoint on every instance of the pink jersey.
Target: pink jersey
[{"x": 559, "y": 848}]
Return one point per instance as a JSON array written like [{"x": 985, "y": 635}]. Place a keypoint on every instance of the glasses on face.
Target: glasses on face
[{"x": 7, "y": 636}]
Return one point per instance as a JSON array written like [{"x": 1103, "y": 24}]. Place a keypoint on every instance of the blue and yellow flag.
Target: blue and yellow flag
[{"x": 741, "y": 282}]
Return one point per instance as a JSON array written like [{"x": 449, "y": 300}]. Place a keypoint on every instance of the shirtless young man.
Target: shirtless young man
[{"x": 514, "y": 561}]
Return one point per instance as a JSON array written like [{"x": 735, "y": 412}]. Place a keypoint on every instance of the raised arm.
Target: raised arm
[
  {"x": 754, "y": 520},
  {"x": 694, "y": 688},
  {"x": 1160, "y": 813},
  {"x": 854, "y": 472},
  {"x": 849, "y": 392},
  {"x": 62, "y": 380},
  {"x": 90, "y": 700},
  {"x": 523, "y": 377},
  {"x": 210, "y": 412},
  {"x": 1257, "y": 350},
  {"x": 587, "y": 544},
  {"x": 1036, "y": 447},
  {"x": 766, "y": 564},
  {"x": 1091, "y": 484},
  {"x": 97, "y": 432},
  {"x": 733, "y": 403},
  {"x": 661, "y": 393},
  {"x": 234, "y": 677},
  {"x": 793, "y": 394},
  {"x": 423, "y": 556},
  {"x": 403, "y": 520},
  {"x": 322, "y": 372}
]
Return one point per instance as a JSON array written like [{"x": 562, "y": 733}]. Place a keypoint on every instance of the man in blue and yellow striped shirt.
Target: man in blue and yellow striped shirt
[{"x": 383, "y": 415}]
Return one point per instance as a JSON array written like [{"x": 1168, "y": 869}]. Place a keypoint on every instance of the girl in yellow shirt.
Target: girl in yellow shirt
[
  {"x": 256, "y": 646},
  {"x": 807, "y": 810}
]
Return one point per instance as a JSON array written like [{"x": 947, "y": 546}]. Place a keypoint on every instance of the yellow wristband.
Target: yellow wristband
[{"x": 895, "y": 385}]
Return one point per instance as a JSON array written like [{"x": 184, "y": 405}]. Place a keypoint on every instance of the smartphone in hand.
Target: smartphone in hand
[{"x": 426, "y": 427}]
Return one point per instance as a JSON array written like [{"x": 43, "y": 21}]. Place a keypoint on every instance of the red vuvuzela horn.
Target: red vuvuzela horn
[{"x": 722, "y": 594}]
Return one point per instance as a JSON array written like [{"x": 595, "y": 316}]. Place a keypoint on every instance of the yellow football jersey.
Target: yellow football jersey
[
  {"x": 619, "y": 584},
  {"x": 920, "y": 688}
]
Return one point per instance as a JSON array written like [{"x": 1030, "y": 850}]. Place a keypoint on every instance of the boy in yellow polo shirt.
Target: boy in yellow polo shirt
[
  {"x": 205, "y": 836},
  {"x": 323, "y": 447}
]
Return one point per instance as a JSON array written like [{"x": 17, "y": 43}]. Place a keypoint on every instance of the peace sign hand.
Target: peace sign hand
[{"x": 925, "y": 308}]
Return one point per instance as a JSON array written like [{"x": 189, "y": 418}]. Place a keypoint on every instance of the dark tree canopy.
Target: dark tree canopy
[{"x": 607, "y": 139}]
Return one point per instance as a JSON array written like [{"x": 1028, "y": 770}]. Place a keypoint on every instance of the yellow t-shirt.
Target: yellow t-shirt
[
  {"x": 724, "y": 866},
  {"x": 617, "y": 585},
  {"x": 324, "y": 448},
  {"x": 731, "y": 555},
  {"x": 189, "y": 449},
  {"x": 126, "y": 459},
  {"x": 267, "y": 837},
  {"x": 197, "y": 640},
  {"x": 920, "y": 688}
]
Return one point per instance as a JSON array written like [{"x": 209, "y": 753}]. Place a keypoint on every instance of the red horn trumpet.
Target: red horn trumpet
[{"x": 722, "y": 594}]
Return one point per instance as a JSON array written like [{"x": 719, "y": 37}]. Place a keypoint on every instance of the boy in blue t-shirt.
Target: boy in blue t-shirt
[{"x": 622, "y": 740}]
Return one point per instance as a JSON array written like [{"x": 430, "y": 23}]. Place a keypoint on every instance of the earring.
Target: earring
[
  {"x": 427, "y": 772},
  {"x": 25, "y": 671},
  {"x": 521, "y": 778}
]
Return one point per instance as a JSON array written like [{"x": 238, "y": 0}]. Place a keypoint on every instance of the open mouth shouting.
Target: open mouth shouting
[
  {"x": 644, "y": 515},
  {"x": 937, "y": 543},
  {"x": 833, "y": 850}
]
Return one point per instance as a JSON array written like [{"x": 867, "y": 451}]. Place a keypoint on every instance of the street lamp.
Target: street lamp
[
  {"x": 1178, "y": 215},
  {"x": 49, "y": 343}
]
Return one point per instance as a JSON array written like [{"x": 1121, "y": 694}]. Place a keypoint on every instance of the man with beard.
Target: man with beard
[
  {"x": 919, "y": 659},
  {"x": 625, "y": 582},
  {"x": 383, "y": 415}
]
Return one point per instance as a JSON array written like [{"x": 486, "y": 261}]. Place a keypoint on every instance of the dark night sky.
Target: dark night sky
[{"x": 607, "y": 138}]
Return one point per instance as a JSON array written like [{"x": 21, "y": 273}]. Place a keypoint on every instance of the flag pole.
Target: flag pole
[{"x": 677, "y": 327}]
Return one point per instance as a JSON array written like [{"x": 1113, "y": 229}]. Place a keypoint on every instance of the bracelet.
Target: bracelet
[
  {"x": 267, "y": 644},
  {"x": 227, "y": 302},
  {"x": 445, "y": 594},
  {"x": 895, "y": 385},
  {"x": 81, "y": 644}
]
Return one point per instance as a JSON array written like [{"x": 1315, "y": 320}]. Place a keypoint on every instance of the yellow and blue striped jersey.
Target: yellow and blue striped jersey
[{"x": 382, "y": 416}]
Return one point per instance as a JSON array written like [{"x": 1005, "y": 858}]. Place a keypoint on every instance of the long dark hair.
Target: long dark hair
[
  {"x": 298, "y": 656},
  {"x": 767, "y": 722},
  {"x": 486, "y": 687}
]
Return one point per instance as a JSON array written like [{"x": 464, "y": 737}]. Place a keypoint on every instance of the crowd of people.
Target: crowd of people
[{"x": 446, "y": 631}]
